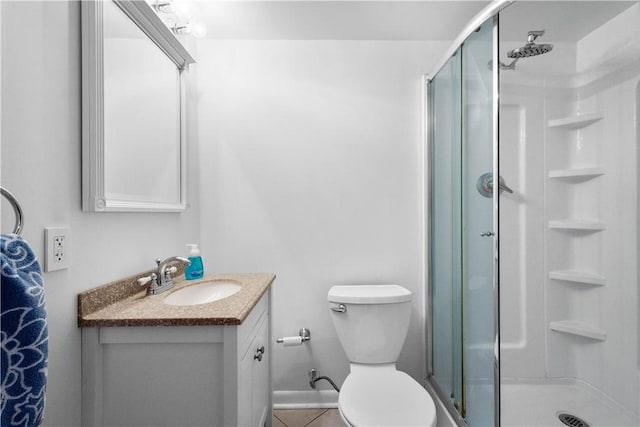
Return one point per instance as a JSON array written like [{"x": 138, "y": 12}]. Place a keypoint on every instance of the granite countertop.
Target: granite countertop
[{"x": 125, "y": 303}]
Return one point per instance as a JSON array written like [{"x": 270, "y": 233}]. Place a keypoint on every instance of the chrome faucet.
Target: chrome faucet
[{"x": 161, "y": 280}]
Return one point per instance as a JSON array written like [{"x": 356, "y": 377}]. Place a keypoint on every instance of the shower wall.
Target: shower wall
[
  {"x": 525, "y": 101},
  {"x": 605, "y": 300},
  {"x": 522, "y": 331},
  {"x": 569, "y": 233}
]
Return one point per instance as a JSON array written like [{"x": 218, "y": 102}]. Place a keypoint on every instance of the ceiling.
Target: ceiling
[
  {"x": 437, "y": 20},
  {"x": 564, "y": 21},
  {"x": 336, "y": 20}
]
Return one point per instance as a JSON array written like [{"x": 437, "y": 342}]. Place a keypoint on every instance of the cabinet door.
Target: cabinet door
[
  {"x": 260, "y": 380},
  {"x": 253, "y": 389}
]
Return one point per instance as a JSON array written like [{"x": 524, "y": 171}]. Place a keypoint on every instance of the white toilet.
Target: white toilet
[{"x": 372, "y": 323}]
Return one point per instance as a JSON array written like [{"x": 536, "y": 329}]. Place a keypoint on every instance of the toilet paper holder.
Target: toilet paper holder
[{"x": 304, "y": 335}]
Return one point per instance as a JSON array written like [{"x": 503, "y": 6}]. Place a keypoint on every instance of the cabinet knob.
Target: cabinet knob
[{"x": 259, "y": 353}]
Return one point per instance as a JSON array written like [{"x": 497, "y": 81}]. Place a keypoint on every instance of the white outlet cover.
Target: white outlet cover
[{"x": 57, "y": 243}]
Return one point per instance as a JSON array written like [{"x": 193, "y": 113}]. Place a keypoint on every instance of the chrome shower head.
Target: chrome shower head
[{"x": 531, "y": 48}]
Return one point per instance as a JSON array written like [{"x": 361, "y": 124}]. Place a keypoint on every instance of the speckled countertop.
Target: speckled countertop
[{"x": 125, "y": 303}]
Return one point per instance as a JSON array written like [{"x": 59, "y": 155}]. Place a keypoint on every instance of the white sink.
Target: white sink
[{"x": 203, "y": 292}]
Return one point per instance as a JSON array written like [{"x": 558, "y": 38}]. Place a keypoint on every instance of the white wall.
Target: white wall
[
  {"x": 41, "y": 152},
  {"x": 310, "y": 164}
]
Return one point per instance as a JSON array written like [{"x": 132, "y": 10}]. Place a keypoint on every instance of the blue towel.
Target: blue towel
[{"x": 24, "y": 335}]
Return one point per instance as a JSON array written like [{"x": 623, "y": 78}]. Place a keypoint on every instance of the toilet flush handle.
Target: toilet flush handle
[{"x": 341, "y": 308}]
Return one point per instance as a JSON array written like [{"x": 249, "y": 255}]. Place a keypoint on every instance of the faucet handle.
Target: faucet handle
[{"x": 144, "y": 280}]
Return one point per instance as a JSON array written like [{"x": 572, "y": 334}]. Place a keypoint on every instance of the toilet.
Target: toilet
[{"x": 372, "y": 323}]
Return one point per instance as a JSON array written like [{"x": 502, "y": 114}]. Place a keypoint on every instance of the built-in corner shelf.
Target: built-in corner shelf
[
  {"x": 576, "y": 282},
  {"x": 584, "y": 173},
  {"x": 576, "y": 224},
  {"x": 573, "y": 327},
  {"x": 578, "y": 277},
  {"x": 575, "y": 122}
]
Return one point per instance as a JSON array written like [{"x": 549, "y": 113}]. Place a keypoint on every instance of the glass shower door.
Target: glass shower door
[
  {"x": 478, "y": 232},
  {"x": 462, "y": 231},
  {"x": 445, "y": 231}
]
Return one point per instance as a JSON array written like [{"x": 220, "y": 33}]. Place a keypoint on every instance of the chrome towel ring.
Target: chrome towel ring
[{"x": 17, "y": 228}]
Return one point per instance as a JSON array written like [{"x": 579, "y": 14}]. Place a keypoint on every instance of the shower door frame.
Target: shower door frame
[{"x": 490, "y": 12}]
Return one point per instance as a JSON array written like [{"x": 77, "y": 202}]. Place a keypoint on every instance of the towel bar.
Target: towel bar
[{"x": 17, "y": 228}]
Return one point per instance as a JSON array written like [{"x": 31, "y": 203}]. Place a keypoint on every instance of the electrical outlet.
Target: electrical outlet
[{"x": 58, "y": 248}]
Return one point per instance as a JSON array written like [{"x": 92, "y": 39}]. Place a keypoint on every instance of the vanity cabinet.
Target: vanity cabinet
[{"x": 216, "y": 375}]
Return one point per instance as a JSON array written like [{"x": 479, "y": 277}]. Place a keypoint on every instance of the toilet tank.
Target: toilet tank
[{"x": 373, "y": 326}]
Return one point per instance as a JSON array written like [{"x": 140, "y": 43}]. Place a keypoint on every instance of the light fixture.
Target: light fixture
[
  {"x": 178, "y": 17},
  {"x": 195, "y": 28},
  {"x": 164, "y": 6},
  {"x": 181, "y": 29}
]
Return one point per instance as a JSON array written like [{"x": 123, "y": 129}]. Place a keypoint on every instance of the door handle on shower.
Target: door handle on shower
[{"x": 487, "y": 234}]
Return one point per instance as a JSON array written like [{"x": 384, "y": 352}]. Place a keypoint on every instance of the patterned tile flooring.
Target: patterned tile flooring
[{"x": 319, "y": 417}]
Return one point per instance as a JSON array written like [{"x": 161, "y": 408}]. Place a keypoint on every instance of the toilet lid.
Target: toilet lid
[
  {"x": 390, "y": 398},
  {"x": 368, "y": 294}
]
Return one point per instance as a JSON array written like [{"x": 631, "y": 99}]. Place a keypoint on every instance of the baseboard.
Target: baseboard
[{"x": 298, "y": 399}]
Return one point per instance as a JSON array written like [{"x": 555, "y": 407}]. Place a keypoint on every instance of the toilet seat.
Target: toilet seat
[{"x": 383, "y": 396}]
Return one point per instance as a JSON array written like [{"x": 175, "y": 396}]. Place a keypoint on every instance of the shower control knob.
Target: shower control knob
[{"x": 487, "y": 234}]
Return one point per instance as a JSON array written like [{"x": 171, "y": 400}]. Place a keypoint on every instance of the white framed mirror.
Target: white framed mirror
[{"x": 133, "y": 110}]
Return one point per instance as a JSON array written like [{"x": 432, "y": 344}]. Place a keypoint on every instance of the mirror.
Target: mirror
[{"x": 133, "y": 101}]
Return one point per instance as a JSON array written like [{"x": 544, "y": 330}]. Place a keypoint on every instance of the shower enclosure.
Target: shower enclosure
[{"x": 533, "y": 133}]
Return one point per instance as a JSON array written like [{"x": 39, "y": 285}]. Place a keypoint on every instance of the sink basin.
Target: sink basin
[{"x": 203, "y": 292}]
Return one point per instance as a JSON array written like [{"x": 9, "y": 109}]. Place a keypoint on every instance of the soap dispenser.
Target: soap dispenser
[{"x": 195, "y": 270}]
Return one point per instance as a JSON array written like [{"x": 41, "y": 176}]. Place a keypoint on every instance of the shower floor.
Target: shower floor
[{"x": 537, "y": 405}]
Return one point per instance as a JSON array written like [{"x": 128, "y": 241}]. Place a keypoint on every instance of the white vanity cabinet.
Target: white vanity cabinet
[{"x": 218, "y": 375}]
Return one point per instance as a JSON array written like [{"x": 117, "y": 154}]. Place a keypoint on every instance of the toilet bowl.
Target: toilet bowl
[{"x": 372, "y": 323}]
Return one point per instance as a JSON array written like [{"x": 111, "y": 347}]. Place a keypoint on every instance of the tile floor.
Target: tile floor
[{"x": 319, "y": 417}]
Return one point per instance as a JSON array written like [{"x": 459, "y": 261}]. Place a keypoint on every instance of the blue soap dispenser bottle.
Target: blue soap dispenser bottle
[{"x": 195, "y": 270}]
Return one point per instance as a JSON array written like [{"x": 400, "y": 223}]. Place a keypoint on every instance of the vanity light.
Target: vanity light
[
  {"x": 164, "y": 6},
  {"x": 174, "y": 12},
  {"x": 181, "y": 30},
  {"x": 195, "y": 28}
]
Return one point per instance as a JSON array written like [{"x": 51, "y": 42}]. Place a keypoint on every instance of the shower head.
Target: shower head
[{"x": 530, "y": 49}]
